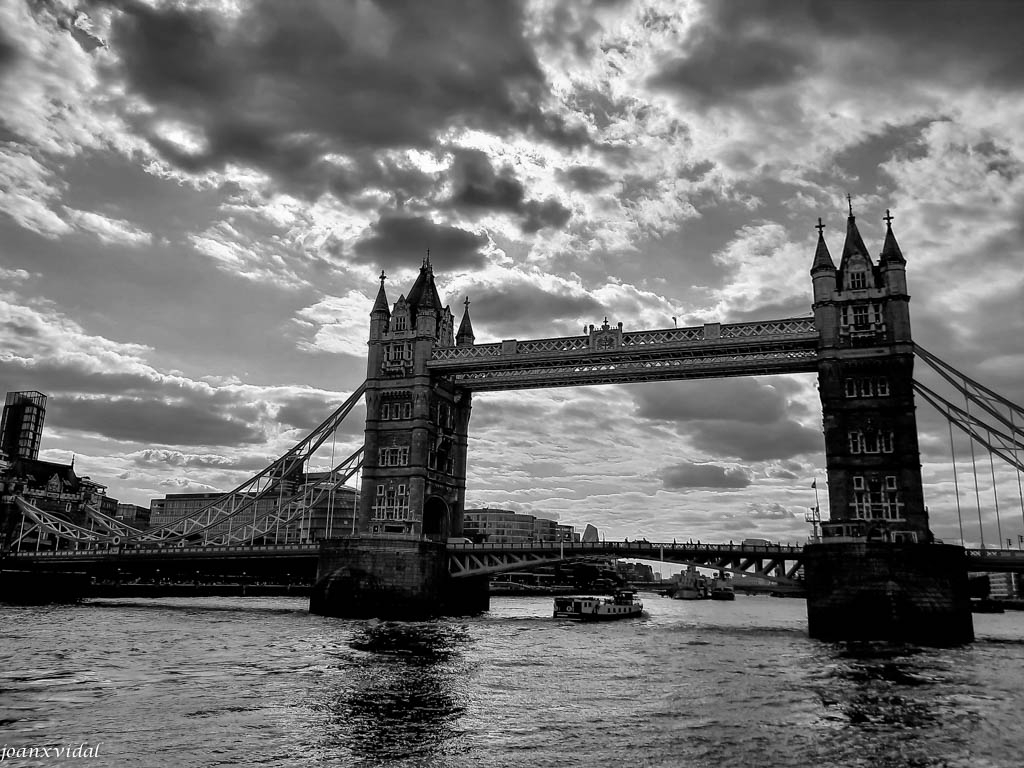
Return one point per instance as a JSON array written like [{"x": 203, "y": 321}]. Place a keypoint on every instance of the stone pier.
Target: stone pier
[
  {"x": 913, "y": 593},
  {"x": 392, "y": 577}
]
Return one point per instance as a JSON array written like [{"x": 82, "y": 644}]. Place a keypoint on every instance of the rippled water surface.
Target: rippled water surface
[{"x": 260, "y": 682}]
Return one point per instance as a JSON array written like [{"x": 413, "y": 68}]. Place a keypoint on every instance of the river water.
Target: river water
[{"x": 260, "y": 682}]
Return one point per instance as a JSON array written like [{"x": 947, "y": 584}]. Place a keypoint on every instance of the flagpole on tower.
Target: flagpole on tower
[{"x": 814, "y": 518}]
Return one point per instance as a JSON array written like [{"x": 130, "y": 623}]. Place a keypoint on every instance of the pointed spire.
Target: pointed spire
[
  {"x": 423, "y": 293},
  {"x": 854, "y": 242},
  {"x": 822, "y": 258},
  {"x": 891, "y": 253},
  {"x": 465, "y": 334},
  {"x": 381, "y": 304}
]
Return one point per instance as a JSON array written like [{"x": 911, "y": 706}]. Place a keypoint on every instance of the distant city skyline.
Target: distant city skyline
[{"x": 196, "y": 203}]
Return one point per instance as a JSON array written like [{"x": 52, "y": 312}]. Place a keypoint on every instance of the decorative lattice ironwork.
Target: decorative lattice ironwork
[{"x": 667, "y": 336}]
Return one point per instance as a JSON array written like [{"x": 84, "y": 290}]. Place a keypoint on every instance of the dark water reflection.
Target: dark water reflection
[{"x": 401, "y": 696}]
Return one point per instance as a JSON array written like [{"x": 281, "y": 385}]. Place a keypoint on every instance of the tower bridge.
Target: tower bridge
[{"x": 877, "y": 572}]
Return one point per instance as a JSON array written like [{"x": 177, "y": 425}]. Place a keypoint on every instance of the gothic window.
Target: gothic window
[
  {"x": 396, "y": 409},
  {"x": 401, "y": 322},
  {"x": 393, "y": 457},
  {"x": 870, "y": 441},
  {"x": 397, "y": 354},
  {"x": 876, "y": 499},
  {"x": 391, "y": 502},
  {"x": 860, "y": 316},
  {"x": 867, "y": 386},
  {"x": 858, "y": 280}
]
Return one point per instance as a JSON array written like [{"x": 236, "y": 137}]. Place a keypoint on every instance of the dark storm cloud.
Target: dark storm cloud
[
  {"x": 8, "y": 53},
  {"x": 742, "y": 46},
  {"x": 308, "y": 411},
  {"x": 398, "y": 241},
  {"x": 703, "y": 476},
  {"x": 585, "y": 178},
  {"x": 682, "y": 401},
  {"x": 716, "y": 69},
  {"x": 738, "y": 418},
  {"x": 287, "y": 83},
  {"x": 59, "y": 378},
  {"x": 527, "y": 306},
  {"x": 150, "y": 421},
  {"x": 478, "y": 186},
  {"x": 754, "y": 442}
]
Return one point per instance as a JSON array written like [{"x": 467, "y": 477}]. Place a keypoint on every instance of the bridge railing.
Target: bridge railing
[
  {"x": 70, "y": 554},
  {"x": 795, "y": 326},
  {"x": 633, "y": 546}
]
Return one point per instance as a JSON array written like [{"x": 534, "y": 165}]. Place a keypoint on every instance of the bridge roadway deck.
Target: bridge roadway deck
[{"x": 480, "y": 559}]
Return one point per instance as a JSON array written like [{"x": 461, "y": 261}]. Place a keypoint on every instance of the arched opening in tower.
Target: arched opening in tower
[{"x": 436, "y": 522}]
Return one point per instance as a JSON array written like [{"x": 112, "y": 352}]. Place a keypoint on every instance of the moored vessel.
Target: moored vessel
[
  {"x": 625, "y": 604},
  {"x": 689, "y": 585},
  {"x": 721, "y": 588}
]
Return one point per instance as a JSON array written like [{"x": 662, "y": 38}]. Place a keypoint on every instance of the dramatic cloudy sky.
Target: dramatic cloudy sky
[{"x": 196, "y": 198}]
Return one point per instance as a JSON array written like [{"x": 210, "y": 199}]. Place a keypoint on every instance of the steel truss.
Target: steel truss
[
  {"x": 775, "y": 563},
  {"x": 253, "y": 511},
  {"x": 741, "y": 349}
]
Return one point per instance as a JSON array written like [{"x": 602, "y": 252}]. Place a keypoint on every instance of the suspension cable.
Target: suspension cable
[
  {"x": 995, "y": 495},
  {"x": 1020, "y": 491},
  {"x": 974, "y": 469},
  {"x": 956, "y": 483}
]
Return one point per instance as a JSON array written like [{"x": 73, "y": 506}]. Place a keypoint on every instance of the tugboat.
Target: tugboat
[
  {"x": 625, "y": 604},
  {"x": 721, "y": 588}
]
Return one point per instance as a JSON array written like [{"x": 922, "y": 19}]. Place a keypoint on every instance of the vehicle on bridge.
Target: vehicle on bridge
[{"x": 625, "y": 604}]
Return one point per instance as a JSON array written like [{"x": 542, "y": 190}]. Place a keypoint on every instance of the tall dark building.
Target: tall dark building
[{"x": 22, "y": 425}]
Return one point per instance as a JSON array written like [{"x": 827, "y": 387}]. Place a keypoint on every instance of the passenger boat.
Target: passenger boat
[
  {"x": 722, "y": 588},
  {"x": 690, "y": 585},
  {"x": 623, "y": 605}
]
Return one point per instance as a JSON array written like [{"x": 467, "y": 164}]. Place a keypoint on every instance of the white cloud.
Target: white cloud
[{"x": 109, "y": 230}]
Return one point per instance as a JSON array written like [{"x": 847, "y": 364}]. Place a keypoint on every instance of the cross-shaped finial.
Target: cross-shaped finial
[
  {"x": 887, "y": 218},
  {"x": 382, "y": 276},
  {"x": 849, "y": 202},
  {"x": 819, "y": 226},
  {"x": 466, "y": 302}
]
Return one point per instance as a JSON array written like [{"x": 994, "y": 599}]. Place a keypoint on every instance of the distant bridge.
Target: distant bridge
[{"x": 775, "y": 563}]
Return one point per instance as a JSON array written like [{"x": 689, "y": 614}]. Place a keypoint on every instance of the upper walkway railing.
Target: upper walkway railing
[
  {"x": 802, "y": 327},
  {"x": 609, "y": 355}
]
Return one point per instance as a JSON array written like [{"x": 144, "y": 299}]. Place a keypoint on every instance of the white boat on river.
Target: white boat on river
[{"x": 623, "y": 605}]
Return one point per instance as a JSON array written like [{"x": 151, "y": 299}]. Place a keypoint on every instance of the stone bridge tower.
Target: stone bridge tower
[
  {"x": 876, "y": 574},
  {"x": 414, "y": 466},
  {"x": 865, "y": 379}
]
